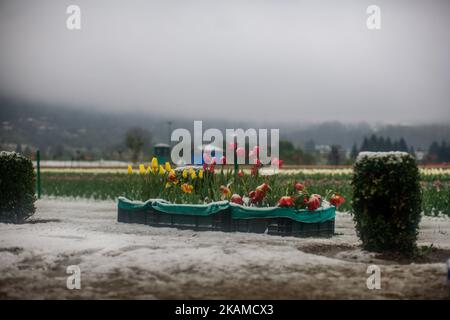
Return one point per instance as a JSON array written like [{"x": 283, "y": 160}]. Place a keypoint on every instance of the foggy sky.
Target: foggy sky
[{"x": 283, "y": 60}]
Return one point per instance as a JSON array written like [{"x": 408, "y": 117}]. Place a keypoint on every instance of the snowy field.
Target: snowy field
[{"x": 126, "y": 261}]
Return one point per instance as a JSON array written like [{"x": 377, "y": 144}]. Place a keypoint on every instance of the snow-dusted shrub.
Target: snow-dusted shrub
[
  {"x": 386, "y": 201},
  {"x": 17, "y": 186}
]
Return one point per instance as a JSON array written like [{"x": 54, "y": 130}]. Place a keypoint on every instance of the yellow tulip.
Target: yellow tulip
[
  {"x": 187, "y": 188},
  {"x": 130, "y": 169},
  {"x": 172, "y": 175},
  {"x": 192, "y": 173},
  {"x": 167, "y": 185},
  {"x": 185, "y": 174},
  {"x": 161, "y": 170},
  {"x": 168, "y": 167},
  {"x": 200, "y": 174},
  {"x": 141, "y": 169},
  {"x": 149, "y": 170},
  {"x": 154, "y": 163}
]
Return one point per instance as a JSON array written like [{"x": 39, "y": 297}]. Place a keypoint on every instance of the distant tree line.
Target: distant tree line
[
  {"x": 295, "y": 156},
  {"x": 438, "y": 153},
  {"x": 378, "y": 143}
]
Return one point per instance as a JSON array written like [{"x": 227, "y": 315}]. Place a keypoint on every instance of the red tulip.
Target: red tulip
[
  {"x": 313, "y": 202},
  {"x": 240, "y": 173},
  {"x": 277, "y": 163},
  {"x": 264, "y": 187},
  {"x": 286, "y": 201},
  {"x": 257, "y": 163},
  {"x": 257, "y": 196},
  {"x": 305, "y": 200},
  {"x": 299, "y": 186},
  {"x": 336, "y": 200},
  {"x": 223, "y": 160},
  {"x": 235, "y": 198},
  {"x": 256, "y": 151},
  {"x": 240, "y": 152}
]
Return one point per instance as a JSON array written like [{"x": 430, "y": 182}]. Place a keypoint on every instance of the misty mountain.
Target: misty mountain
[{"x": 50, "y": 127}]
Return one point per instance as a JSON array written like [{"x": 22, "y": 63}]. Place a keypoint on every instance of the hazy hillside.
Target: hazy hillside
[{"x": 63, "y": 131}]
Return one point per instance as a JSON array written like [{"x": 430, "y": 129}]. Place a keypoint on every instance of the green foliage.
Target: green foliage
[
  {"x": 292, "y": 155},
  {"x": 375, "y": 143},
  {"x": 438, "y": 152},
  {"x": 17, "y": 187},
  {"x": 387, "y": 201}
]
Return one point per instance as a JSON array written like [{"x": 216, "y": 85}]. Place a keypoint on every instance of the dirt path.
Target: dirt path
[{"x": 137, "y": 261}]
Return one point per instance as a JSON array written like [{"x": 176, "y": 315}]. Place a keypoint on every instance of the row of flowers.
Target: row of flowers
[
  {"x": 205, "y": 184},
  {"x": 299, "y": 198}
]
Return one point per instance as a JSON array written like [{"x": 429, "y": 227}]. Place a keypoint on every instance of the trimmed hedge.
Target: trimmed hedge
[
  {"x": 387, "y": 201},
  {"x": 17, "y": 187}
]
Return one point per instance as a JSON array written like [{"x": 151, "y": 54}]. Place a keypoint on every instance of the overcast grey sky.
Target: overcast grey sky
[{"x": 249, "y": 59}]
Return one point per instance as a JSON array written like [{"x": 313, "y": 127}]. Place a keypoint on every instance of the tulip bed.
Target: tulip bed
[{"x": 227, "y": 200}]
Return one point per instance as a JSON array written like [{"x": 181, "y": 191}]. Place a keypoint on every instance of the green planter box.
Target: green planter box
[
  {"x": 229, "y": 217},
  {"x": 287, "y": 227}
]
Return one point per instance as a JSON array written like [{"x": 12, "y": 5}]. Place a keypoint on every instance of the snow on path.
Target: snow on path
[{"x": 136, "y": 261}]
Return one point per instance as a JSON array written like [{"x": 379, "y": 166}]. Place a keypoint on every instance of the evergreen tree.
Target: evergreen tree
[
  {"x": 381, "y": 144},
  {"x": 444, "y": 152},
  {"x": 433, "y": 152},
  {"x": 354, "y": 152},
  {"x": 402, "y": 146},
  {"x": 365, "y": 145},
  {"x": 388, "y": 143},
  {"x": 373, "y": 143}
]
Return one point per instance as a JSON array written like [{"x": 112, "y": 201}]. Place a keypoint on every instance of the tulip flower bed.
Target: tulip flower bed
[{"x": 204, "y": 198}]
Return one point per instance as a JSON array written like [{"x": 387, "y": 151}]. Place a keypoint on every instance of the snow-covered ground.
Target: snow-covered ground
[{"x": 137, "y": 261}]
